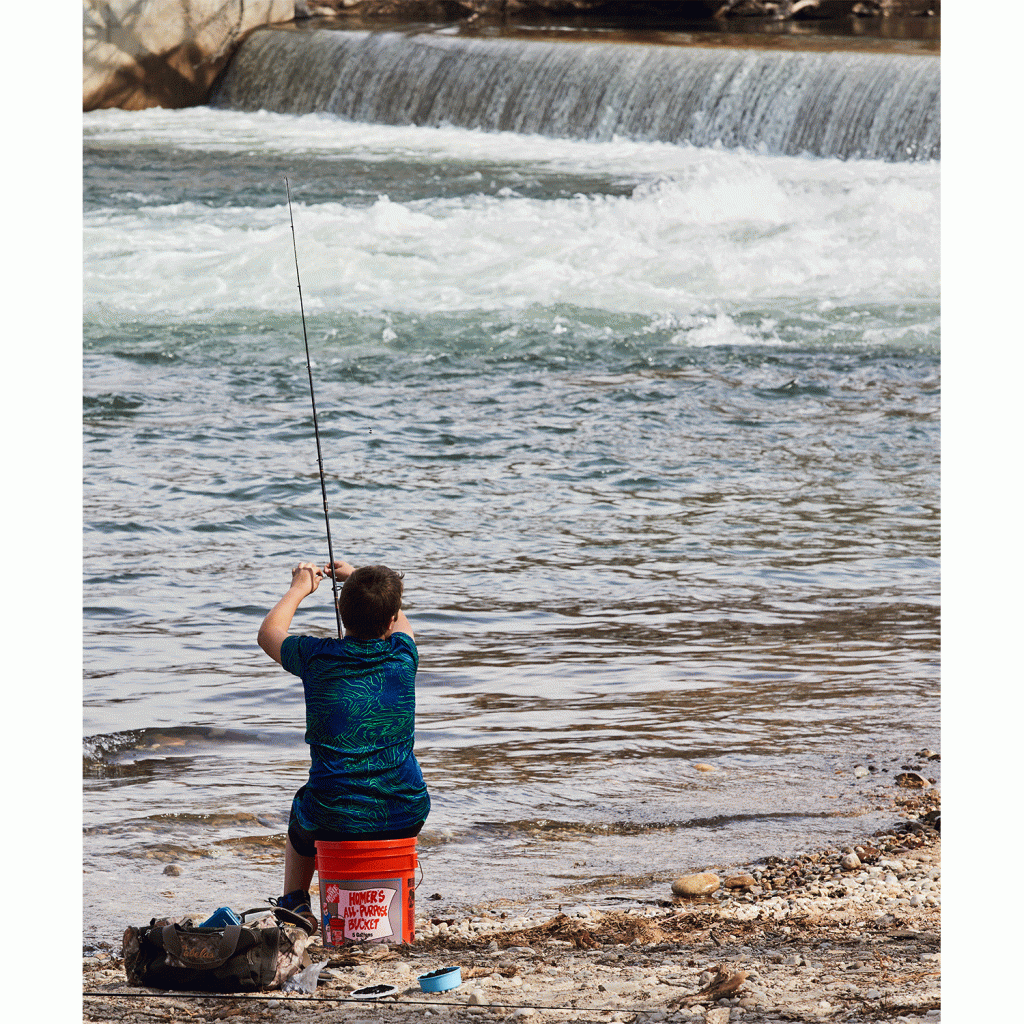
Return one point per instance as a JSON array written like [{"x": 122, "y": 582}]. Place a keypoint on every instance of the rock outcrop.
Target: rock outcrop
[{"x": 164, "y": 53}]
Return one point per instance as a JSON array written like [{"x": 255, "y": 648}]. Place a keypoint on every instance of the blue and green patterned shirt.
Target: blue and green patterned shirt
[{"x": 360, "y": 711}]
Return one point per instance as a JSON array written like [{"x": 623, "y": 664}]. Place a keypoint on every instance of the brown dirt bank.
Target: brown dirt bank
[
  {"x": 910, "y": 26},
  {"x": 807, "y": 939}
]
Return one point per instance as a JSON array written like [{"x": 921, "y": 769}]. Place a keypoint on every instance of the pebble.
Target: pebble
[
  {"x": 741, "y": 881},
  {"x": 702, "y": 884},
  {"x": 850, "y": 862},
  {"x": 860, "y": 771},
  {"x": 172, "y": 869},
  {"x": 912, "y": 780}
]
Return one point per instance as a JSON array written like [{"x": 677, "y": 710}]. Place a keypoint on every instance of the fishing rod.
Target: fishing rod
[{"x": 316, "y": 427}]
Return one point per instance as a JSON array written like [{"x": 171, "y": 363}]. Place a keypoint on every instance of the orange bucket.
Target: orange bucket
[{"x": 367, "y": 891}]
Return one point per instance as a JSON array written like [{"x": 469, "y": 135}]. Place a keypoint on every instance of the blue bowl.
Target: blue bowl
[{"x": 442, "y": 980}]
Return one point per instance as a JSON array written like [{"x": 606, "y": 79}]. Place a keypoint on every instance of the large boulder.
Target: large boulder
[{"x": 164, "y": 53}]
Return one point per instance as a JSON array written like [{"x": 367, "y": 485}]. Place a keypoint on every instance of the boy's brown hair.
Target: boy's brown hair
[{"x": 370, "y": 598}]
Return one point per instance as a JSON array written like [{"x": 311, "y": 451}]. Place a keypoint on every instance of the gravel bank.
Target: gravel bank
[{"x": 846, "y": 934}]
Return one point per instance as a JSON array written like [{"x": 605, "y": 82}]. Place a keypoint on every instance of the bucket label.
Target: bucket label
[{"x": 359, "y": 915}]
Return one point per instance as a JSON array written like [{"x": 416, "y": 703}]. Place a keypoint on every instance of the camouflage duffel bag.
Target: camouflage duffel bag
[{"x": 168, "y": 954}]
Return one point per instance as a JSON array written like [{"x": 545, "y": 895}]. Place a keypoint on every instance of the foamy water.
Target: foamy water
[{"x": 697, "y": 227}]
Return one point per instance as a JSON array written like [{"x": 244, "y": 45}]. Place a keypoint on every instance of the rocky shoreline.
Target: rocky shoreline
[{"x": 847, "y": 934}]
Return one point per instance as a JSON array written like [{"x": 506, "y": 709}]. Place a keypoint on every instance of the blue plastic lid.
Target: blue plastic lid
[{"x": 220, "y": 918}]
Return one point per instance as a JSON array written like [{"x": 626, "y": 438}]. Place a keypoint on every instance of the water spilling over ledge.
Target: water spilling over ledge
[{"x": 827, "y": 104}]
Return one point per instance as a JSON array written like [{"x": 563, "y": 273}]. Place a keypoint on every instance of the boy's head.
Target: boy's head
[{"x": 370, "y": 598}]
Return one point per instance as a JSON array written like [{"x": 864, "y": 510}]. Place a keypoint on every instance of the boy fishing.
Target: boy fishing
[{"x": 364, "y": 781}]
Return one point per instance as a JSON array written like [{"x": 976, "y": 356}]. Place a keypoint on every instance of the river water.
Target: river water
[{"x": 652, "y": 430}]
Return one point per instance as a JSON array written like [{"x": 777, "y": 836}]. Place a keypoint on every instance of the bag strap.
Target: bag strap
[
  {"x": 243, "y": 914},
  {"x": 212, "y": 951},
  {"x": 283, "y": 917}
]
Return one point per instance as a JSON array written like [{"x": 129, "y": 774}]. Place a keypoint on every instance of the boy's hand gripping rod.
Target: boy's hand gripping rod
[{"x": 316, "y": 427}]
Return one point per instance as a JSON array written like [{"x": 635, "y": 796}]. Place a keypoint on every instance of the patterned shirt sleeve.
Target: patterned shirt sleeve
[
  {"x": 291, "y": 659},
  {"x": 403, "y": 640}
]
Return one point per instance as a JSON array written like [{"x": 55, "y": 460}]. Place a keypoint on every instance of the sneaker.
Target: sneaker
[{"x": 298, "y": 903}]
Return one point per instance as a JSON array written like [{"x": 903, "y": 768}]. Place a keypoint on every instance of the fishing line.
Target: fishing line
[
  {"x": 284, "y": 998},
  {"x": 316, "y": 427}
]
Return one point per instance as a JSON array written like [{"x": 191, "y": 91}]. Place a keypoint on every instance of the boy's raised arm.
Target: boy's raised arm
[
  {"x": 402, "y": 625},
  {"x": 306, "y": 578}
]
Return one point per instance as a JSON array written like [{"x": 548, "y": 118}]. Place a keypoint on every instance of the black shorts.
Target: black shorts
[{"x": 304, "y": 842}]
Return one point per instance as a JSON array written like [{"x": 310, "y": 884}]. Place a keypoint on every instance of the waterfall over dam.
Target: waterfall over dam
[{"x": 824, "y": 104}]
